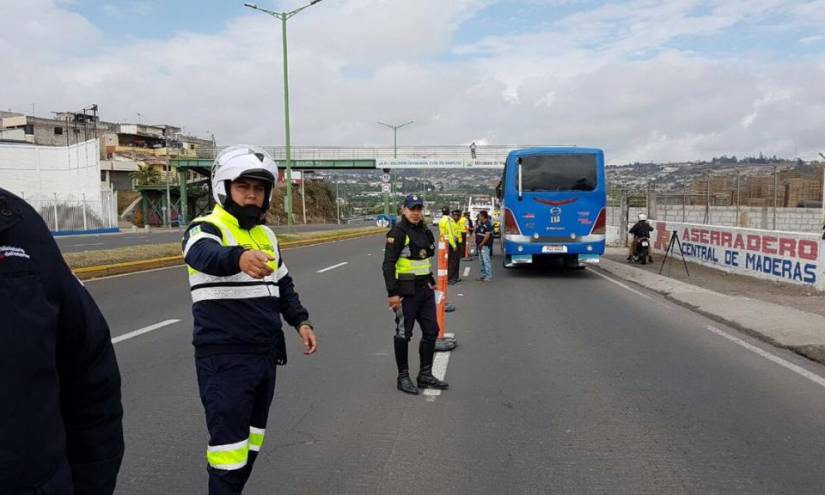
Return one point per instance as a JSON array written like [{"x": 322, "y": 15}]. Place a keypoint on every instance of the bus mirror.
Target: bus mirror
[{"x": 498, "y": 190}]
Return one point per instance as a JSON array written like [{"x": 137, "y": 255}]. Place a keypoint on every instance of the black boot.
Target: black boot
[
  {"x": 405, "y": 384},
  {"x": 426, "y": 349}
]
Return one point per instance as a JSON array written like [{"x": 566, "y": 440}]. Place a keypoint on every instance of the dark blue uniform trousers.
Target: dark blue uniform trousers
[{"x": 236, "y": 391}]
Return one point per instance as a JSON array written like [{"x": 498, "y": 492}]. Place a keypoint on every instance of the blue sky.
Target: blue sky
[
  {"x": 644, "y": 79},
  {"x": 770, "y": 34}
]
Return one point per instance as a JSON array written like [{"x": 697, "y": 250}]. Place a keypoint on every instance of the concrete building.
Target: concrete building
[{"x": 123, "y": 147}]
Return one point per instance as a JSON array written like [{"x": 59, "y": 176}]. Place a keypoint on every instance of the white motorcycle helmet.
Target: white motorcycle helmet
[
  {"x": 642, "y": 217},
  {"x": 238, "y": 161}
]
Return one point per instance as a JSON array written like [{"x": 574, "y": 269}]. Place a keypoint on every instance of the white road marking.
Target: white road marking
[
  {"x": 84, "y": 245},
  {"x": 467, "y": 271},
  {"x": 150, "y": 328},
  {"x": 369, "y": 254},
  {"x": 770, "y": 357},
  {"x": 631, "y": 289},
  {"x": 460, "y": 295},
  {"x": 333, "y": 267},
  {"x": 132, "y": 273},
  {"x": 440, "y": 362}
]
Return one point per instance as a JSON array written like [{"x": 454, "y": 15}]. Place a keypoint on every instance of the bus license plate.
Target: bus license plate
[{"x": 554, "y": 249}]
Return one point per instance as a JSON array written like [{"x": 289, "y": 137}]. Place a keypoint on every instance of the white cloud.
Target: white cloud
[{"x": 603, "y": 77}]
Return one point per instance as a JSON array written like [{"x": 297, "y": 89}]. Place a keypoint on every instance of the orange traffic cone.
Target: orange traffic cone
[{"x": 443, "y": 343}]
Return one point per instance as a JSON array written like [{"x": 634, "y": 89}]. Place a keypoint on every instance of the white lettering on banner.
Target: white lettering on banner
[
  {"x": 392, "y": 163},
  {"x": 783, "y": 256}
]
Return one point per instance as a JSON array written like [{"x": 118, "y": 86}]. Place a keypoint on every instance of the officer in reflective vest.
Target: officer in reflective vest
[
  {"x": 240, "y": 290},
  {"x": 408, "y": 276}
]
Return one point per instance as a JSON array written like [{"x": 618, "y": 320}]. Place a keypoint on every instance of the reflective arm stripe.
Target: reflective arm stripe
[
  {"x": 199, "y": 278},
  {"x": 256, "y": 438},
  {"x": 197, "y": 237},
  {"x": 281, "y": 273},
  {"x": 204, "y": 292},
  {"x": 228, "y": 457},
  {"x": 412, "y": 267}
]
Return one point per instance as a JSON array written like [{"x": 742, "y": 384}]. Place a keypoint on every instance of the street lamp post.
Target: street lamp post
[
  {"x": 284, "y": 16},
  {"x": 394, "y": 128}
]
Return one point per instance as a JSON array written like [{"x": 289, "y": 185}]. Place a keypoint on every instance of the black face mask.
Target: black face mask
[{"x": 248, "y": 216}]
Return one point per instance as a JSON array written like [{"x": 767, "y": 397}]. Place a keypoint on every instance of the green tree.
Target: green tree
[{"x": 146, "y": 174}]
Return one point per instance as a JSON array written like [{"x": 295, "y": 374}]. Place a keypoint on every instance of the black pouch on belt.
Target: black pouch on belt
[{"x": 406, "y": 286}]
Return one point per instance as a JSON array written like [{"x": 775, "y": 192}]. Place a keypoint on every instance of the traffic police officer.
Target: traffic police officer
[
  {"x": 409, "y": 281},
  {"x": 61, "y": 430},
  {"x": 240, "y": 289}
]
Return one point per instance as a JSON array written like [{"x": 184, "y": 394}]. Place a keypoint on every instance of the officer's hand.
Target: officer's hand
[
  {"x": 394, "y": 302},
  {"x": 253, "y": 263},
  {"x": 308, "y": 338}
]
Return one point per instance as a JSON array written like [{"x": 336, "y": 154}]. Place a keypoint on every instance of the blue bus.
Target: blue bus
[{"x": 553, "y": 206}]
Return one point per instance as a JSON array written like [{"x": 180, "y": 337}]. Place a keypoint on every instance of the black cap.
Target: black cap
[{"x": 412, "y": 201}]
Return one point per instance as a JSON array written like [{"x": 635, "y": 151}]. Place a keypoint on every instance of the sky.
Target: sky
[{"x": 645, "y": 80}]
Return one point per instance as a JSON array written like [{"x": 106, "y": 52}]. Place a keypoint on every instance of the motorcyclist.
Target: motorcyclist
[{"x": 640, "y": 230}]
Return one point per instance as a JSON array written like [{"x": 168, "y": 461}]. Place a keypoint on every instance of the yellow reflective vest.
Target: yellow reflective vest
[
  {"x": 410, "y": 265},
  {"x": 447, "y": 228},
  {"x": 239, "y": 286}
]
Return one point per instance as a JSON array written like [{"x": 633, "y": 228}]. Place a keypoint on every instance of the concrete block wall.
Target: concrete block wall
[
  {"x": 41, "y": 172},
  {"x": 753, "y": 217}
]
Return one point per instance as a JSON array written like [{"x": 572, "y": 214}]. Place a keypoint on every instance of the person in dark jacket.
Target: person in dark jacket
[
  {"x": 640, "y": 230},
  {"x": 409, "y": 280},
  {"x": 240, "y": 289},
  {"x": 60, "y": 412}
]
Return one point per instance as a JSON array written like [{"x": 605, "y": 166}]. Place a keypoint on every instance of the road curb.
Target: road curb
[
  {"x": 780, "y": 326},
  {"x": 92, "y": 272}
]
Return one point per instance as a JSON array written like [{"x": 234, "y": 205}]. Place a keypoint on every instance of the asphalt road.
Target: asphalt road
[
  {"x": 564, "y": 382},
  {"x": 74, "y": 244}
]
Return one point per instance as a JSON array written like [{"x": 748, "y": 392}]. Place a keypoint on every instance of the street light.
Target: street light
[
  {"x": 394, "y": 128},
  {"x": 284, "y": 16}
]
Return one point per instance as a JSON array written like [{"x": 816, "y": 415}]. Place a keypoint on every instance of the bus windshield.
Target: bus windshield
[{"x": 558, "y": 172}]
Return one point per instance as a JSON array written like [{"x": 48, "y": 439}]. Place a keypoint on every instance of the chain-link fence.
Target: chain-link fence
[
  {"x": 70, "y": 213},
  {"x": 780, "y": 200}
]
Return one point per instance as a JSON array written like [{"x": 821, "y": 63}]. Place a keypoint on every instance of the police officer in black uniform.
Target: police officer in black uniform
[
  {"x": 408, "y": 276},
  {"x": 60, "y": 409}
]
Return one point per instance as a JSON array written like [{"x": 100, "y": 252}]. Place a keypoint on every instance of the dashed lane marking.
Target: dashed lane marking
[
  {"x": 141, "y": 331},
  {"x": 333, "y": 267}
]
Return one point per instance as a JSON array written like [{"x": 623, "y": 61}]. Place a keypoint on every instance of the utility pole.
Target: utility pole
[
  {"x": 337, "y": 203},
  {"x": 823, "y": 191},
  {"x": 775, "y": 195},
  {"x": 303, "y": 197},
  {"x": 283, "y": 17},
  {"x": 394, "y": 128}
]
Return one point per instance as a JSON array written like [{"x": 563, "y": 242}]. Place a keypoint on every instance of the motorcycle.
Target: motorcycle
[{"x": 642, "y": 251}]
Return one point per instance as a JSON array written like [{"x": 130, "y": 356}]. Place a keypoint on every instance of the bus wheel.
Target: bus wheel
[{"x": 571, "y": 262}]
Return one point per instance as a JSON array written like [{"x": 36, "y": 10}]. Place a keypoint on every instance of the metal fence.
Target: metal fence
[
  {"x": 479, "y": 152},
  {"x": 778, "y": 200},
  {"x": 70, "y": 213}
]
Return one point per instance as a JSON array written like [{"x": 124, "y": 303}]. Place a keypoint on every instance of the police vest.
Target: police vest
[
  {"x": 206, "y": 287},
  {"x": 410, "y": 265},
  {"x": 446, "y": 229}
]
